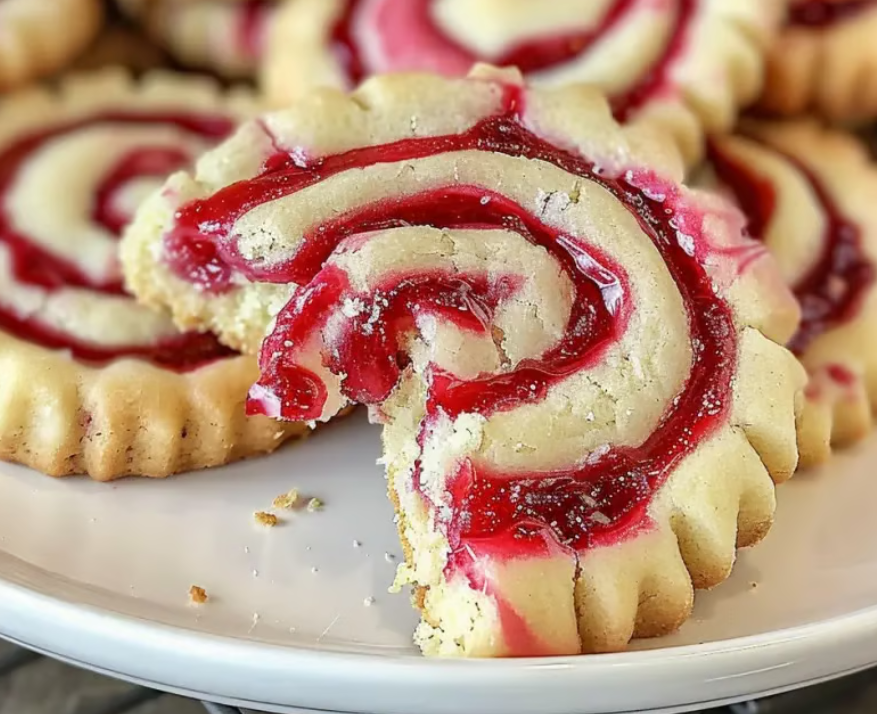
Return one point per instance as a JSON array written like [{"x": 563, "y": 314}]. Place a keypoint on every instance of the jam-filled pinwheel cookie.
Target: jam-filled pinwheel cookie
[
  {"x": 808, "y": 193},
  {"x": 39, "y": 38},
  {"x": 92, "y": 382},
  {"x": 224, "y": 37},
  {"x": 825, "y": 61},
  {"x": 682, "y": 63},
  {"x": 575, "y": 360}
]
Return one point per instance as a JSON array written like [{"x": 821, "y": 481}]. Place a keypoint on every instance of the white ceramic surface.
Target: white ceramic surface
[{"x": 99, "y": 574}]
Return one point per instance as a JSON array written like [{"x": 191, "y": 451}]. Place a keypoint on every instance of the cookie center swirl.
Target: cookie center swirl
[
  {"x": 822, "y": 13},
  {"x": 67, "y": 193},
  {"x": 366, "y": 330},
  {"x": 832, "y": 291},
  {"x": 374, "y": 36}
]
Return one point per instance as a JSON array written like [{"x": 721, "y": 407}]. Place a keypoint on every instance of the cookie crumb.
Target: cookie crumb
[
  {"x": 197, "y": 595},
  {"x": 753, "y": 585},
  {"x": 254, "y": 622},
  {"x": 315, "y": 504},
  {"x": 287, "y": 500},
  {"x": 269, "y": 520}
]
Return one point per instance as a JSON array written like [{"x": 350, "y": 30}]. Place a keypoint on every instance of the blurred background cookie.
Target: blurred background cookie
[
  {"x": 825, "y": 61},
  {"x": 221, "y": 36},
  {"x": 40, "y": 37}
]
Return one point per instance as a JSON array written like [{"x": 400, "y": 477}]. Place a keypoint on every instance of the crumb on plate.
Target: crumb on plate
[
  {"x": 269, "y": 520},
  {"x": 287, "y": 500},
  {"x": 315, "y": 504},
  {"x": 197, "y": 595}
]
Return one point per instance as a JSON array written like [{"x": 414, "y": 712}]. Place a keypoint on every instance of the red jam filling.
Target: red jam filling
[
  {"x": 534, "y": 55},
  {"x": 822, "y": 13},
  {"x": 602, "y": 501},
  {"x": 832, "y": 292},
  {"x": 34, "y": 265}
]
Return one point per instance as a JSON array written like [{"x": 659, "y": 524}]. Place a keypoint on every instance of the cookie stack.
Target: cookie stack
[{"x": 475, "y": 217}]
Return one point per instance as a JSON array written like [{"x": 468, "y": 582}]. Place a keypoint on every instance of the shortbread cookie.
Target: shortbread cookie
[
  {"x": 825, "y": 61},
  {"x": 682, "y": 63},
  {"x": 575, "y": 360},
  {"x": 40, "y": 37},
  {"x": 92, "y": 382},
  {"x": 224, "y": 37},
  {"x": 809, "y": 195}
]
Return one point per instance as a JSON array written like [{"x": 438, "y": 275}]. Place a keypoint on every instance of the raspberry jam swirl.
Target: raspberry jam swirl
[
  {"x": 824, "y": 13},
  {"x": 346, "y": 331},
  {"x": 376, "y": 36},
  {"x": 68, "y": 191},
  {"x": 832, "y": 291}
]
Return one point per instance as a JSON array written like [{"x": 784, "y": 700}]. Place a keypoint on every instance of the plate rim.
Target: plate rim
[{"x": 357, "y": 682}]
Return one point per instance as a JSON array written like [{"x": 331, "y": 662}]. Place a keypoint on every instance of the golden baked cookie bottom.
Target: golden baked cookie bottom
[{"x": 129, "y": 417}]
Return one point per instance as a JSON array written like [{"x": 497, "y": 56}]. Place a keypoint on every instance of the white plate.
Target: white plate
[{"x": 99, "y": 574}]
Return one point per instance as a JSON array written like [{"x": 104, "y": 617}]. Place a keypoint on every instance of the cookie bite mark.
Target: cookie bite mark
[
  {"x": 803, "y": 189},
  {"x": 570, "y": 354}
]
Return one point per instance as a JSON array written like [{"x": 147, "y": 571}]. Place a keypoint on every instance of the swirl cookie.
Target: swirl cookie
[
  {"x": 93, "y": 382},
  {"x": 575, "y": 360},
  {"x": 40, "y": 38},
  {"x": 809, "y": 195},
  {"x": 223, "y": 37},
  {"x": 824, "y": 61},
  {"x": 682, "y": 63}
]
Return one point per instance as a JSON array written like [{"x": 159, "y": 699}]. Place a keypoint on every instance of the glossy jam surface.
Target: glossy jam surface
[
  {"x": 600, "y": 502},
  {"x": 832, "y": 292},
  {"x": 822, "y": 13},
  {"x": 35, "y": 266},
  {"x": 414, "y": 22}
]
